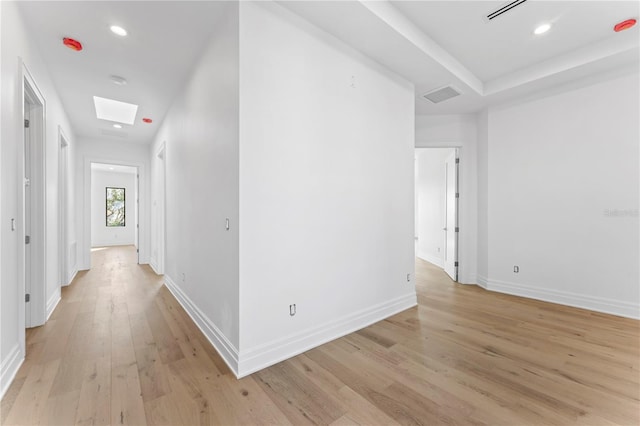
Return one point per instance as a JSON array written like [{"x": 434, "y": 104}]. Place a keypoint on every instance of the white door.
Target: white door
[
  {"x": 451, "y": 217},
  {"x": 27, "y": 213}
]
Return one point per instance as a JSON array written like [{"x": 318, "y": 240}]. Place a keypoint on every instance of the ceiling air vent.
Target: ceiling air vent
[
  {"x": 503, "y": 9},
  {"x": 442, "y": 94}
]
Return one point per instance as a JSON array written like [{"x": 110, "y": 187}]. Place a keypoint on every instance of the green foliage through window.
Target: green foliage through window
[{"x": 115, "y": 207}]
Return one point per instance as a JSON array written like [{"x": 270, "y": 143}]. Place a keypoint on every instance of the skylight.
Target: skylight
[{"x": 121, "y": 112}]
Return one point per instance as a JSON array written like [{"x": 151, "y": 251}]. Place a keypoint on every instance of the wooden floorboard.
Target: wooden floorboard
[{"x": 119, "y": 349}]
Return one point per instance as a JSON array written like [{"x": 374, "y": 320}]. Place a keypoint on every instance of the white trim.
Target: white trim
[
  {"x": 63, "y": 208},
  {"x": 36, "y": 310},
  {"x": 53, "y": 302},
  {"x": 246, "y": 362},
  {"x": 111, "y": 243},
  {"x": 273, "y": 352},
  {"x": 144, "y": 218},
  {"x": 431, "y": 259},
  {"x": 225, "y": 348},
  {"x": 73, "y": 254},
  {"x": 9, "y": 368},
  {"x": 598, "y": 304},
  {"x": 159, "y": 222},
  {"x": 482, "y": 281},
  {"x": 154, "y": 266},
  {"x": 71, "y": 277},
  {"x": 465, "y": 279}
]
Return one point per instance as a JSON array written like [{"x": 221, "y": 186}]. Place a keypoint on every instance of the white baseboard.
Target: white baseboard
[
  {"x": 154, "y": 266},
  {"x": 598, "y": 304},
  {"x": 225, "y": 348},
  {"x": 431, "y": 259},
  {"x": 72, "y": 276},
  {"x": 9, "y": 368},
  {"x": 112, "y": 243},
  {"x": 266, "y": 355},
  {"x": 482, "y": 281},
  {"x": 53, "y": 302},
  {"x": 243, "y": 363},
  {"x": 465, "y": 279}
]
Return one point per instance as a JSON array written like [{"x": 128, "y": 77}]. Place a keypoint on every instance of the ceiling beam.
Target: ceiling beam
[{"x": 386, "y": 12}]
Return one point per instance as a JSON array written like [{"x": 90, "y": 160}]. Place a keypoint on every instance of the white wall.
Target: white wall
[
  {"x": 563, "y": 197},
  {"x": 287, "y": 153},
  {"x": 459, "y": 131},
  {"x": 430, "y": 201},
  {"x": 326, "y": 188},
  {"x": 200, "y": 134},
  {"x": 16, "y": 46},
  {"x": 101, "y": 234},
  {"x": 109, "y": 152}
]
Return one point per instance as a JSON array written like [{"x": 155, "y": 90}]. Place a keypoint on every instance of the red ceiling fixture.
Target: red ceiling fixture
[
  {"x": 72, "y": 44},
  {"x": 624, "y": 25},
  {"x": 147, "y": 120}
]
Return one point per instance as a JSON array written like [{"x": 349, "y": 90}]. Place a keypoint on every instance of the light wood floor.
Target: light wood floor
[{"x": 120, "y": 350}]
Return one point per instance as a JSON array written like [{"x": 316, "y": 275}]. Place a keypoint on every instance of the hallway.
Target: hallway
[{"x": 120, "y": 350}]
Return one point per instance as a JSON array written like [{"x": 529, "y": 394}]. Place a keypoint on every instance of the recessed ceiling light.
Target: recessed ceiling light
[
  {"x": 121, "y": 112},
  {"x": 110, "y": 168},
  {"x": 118, "y": 126},
  {"x": 542, "y": 29},
  {"x": 118, "y": 30},
  {"x": 116, "y": 79}
]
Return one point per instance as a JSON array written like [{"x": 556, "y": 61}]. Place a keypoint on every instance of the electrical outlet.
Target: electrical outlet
[
  {"x": 183, "y": 277},
  {"x": 516, "y": 269},
  {"x": 292, "y": 309}
]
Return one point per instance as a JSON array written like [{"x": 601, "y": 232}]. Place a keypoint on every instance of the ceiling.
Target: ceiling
[
  {"x": 113, "y": 168},
  {"x": 431, "y": 43},
  {"x": 440, "y": 43},
  {"x": 164, "y": 41}
]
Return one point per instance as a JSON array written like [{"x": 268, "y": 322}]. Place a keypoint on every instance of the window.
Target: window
[{"x": 115, "y": 207}]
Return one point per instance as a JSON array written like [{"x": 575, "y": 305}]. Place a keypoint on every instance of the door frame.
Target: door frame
[
  {"x": 456, "y": 224},
  {"x": 85, "y": 246},
  {"x": 63, "y": 204},
  {"x": 36, "y": 314},
  {"x": 459, "y": 152},
  {"x": 161, "y": 211}
]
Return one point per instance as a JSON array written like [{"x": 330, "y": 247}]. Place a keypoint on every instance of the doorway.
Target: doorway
[
  {"x": 114, "y": 195},
  {"x": 33, "y": 230},
  {"x": 436, "y": 201}
]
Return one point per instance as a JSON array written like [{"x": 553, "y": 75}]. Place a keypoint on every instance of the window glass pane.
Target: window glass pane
[{"x": 115, "y": 207}]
